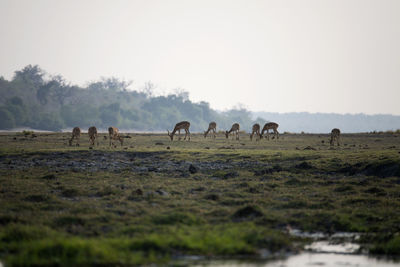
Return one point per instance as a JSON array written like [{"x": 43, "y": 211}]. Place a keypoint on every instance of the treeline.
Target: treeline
[
  {"x": 39, "y": 101},
  {"x": 34, "y": 99}
]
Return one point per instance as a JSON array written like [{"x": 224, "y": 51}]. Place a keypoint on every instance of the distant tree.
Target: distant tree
[
  {"x": 19, "y": 113},
  {"x": 110, "y": 84},
  {"x": 31, "y": 75},
  {"x": 131, "y": 114},
  {"x": 17, "y": 101},
  {"x": 6, "y": 119},
  {"x": 49, "y": 122},
  {"x": 44, "y": 92},
  {"x": 148, "y": 89},
  {"x": 83, "y": 115},
  {"x": 3, "y": 81},
  {"x": 110, "y": 114},
  {"x": 181, "y": 93}
]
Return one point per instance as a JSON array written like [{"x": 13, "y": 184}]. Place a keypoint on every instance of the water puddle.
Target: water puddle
[
  {"x": 307, "y": 259},
  {"x": 328, "y": 247},
  {"x": 335, "y": 250}
]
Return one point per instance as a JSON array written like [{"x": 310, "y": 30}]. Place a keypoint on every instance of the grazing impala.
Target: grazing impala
[
  {"x": 113, "y": 134},
  {"x": 211, "y": 127},
  {"x": 270, "y": 126},
  {"x": 335, "y": 136},
  {"x": 76, "y": 133},
  {"x": 255, "y": 130},
  {"x": 93, "y": 136},
  {"x": 235, "y": 129},
  {"x": 183, "y": 125}
]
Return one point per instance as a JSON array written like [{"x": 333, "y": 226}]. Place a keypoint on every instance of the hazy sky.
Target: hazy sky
[{"x": 339, "y": 56}]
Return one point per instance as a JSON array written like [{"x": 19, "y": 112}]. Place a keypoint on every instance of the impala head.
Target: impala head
[{"x": 170, "y": 135}]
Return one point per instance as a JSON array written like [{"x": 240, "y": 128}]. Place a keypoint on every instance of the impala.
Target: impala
[
  {"x": 335, "y": 136},
  {"x": 211, "y": 127},
  {"x": 270, "y": 126},
  {"x": 93, "y": 135},
  {"x": 113, "y": 134},
  {"x": 255, "y": 130},
  {"x": 183, "y": 125},
  {"x": 76, "y": 133},
  {"x": 235, "y": 129}
]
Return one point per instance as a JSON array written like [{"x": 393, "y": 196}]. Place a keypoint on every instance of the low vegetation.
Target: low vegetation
[{"x": 154, "y": 201}]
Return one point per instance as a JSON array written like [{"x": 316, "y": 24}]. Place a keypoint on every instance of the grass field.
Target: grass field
[{"x": 153, "y": 200}]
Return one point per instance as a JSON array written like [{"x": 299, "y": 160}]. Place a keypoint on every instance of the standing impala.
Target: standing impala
[
  {"x": 235, "y": 129},
  {"x": 211, "y": 127},
  {"x": 335, "y": 136},
  {"x": 76, "y": 133},
  {"x": 113, "y": 134},
  {"x": 178, "y": 127},
  {"x": 255, "y": 130},
  {"x": 270, "y": 126}
]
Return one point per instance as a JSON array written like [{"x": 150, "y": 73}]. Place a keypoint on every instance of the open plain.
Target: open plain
[{"x": 157, "y": 201}]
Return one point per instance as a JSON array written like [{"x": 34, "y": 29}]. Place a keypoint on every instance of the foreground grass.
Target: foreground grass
[
  {"x": 68, "y": 216},
  {"x": 43, "y": 246}
]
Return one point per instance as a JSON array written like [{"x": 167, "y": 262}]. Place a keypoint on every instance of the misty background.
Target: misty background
[{"x": 35, "y": 99}]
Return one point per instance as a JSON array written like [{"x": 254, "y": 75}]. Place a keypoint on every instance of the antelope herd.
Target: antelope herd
[{"x": 113, "y": 133}]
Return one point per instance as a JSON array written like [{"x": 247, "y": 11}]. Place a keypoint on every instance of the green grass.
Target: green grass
[{"x": 54, "y": 215}]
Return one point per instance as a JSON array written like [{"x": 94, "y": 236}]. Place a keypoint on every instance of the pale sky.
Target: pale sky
[{"x": 340, "y": 56}]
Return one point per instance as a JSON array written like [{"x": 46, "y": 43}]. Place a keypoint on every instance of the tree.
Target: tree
[
  {"x": 6, "y": 119},
  {"x": 110, "y": 114},
  {"x": 49, "y": 122},
  {"x": 82, "y": 115},
  {"x": 31, "y": 75},
  {"x": 17, "y": 101},
  {"x": 148, "y": 89},
  {"x": 110, "y": 84}
]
